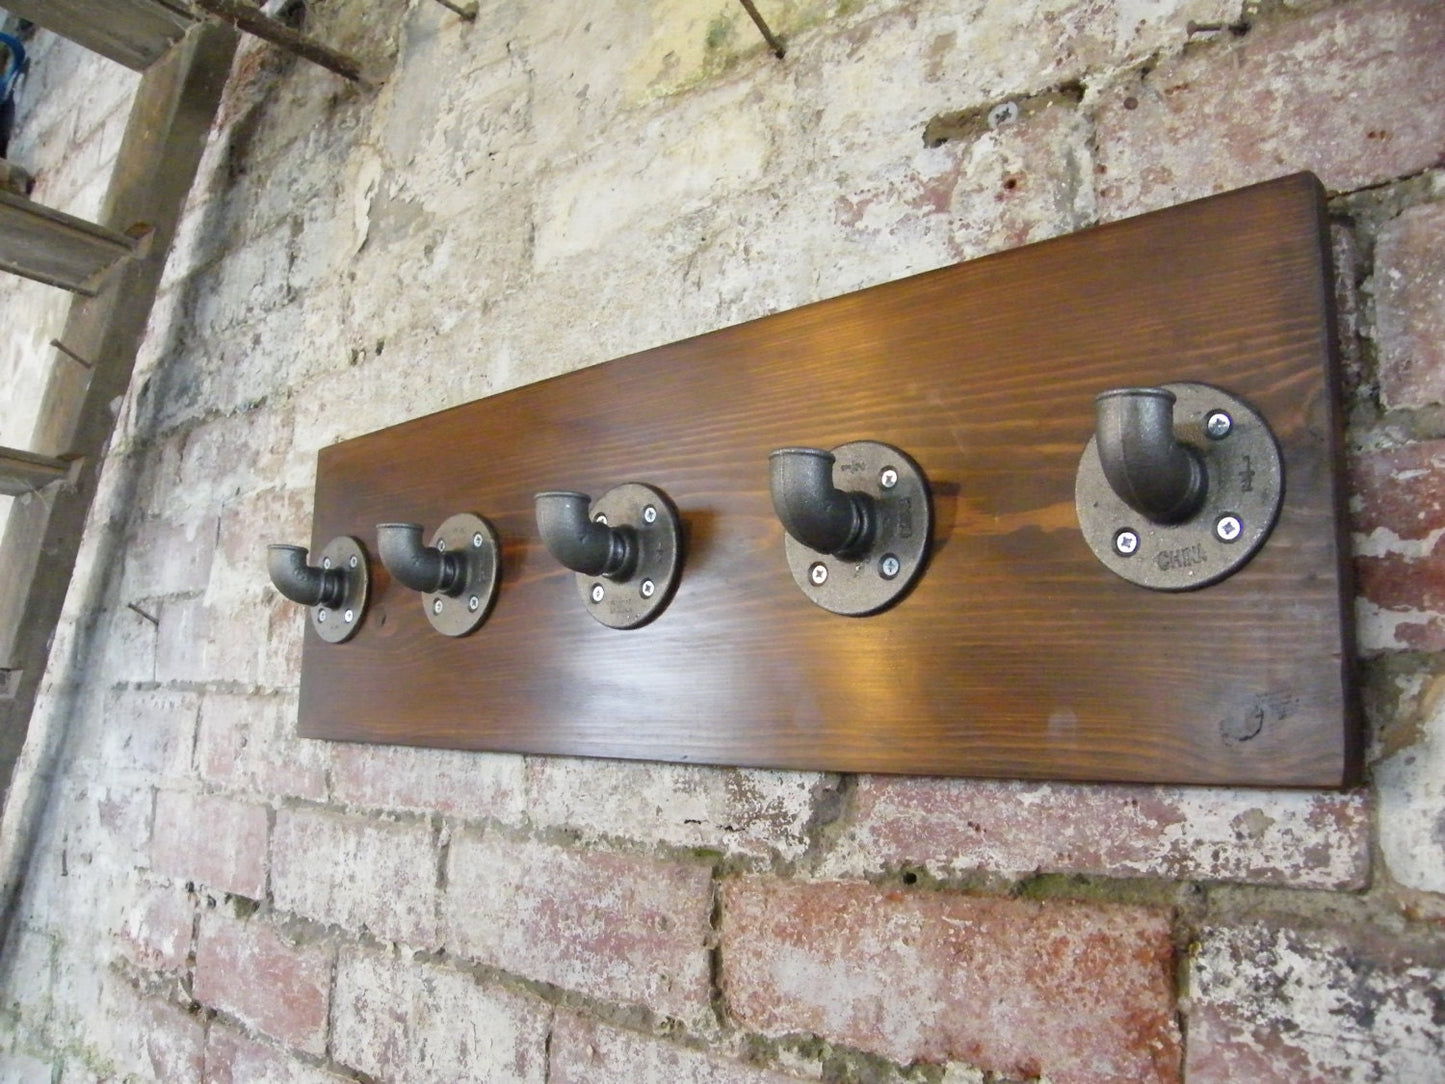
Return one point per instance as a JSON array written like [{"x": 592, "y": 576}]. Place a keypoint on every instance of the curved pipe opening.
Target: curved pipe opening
[
  {"x": 815, "y": 511},
  {"x": 301, "y": 582},
  {"x": 420, "y": 567},
  {"x": 1154, "y": 473},
  {"x": 579, "y": 542}
]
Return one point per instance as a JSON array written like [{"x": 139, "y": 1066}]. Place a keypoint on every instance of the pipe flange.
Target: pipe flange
[
  {"x": 867, "y": 583},
  {"x": 1244, "y": 491},
  {"x": 335, "y": 624},
  {"x": 466, "y": 606},
  {"x": 656, "y": 530}
]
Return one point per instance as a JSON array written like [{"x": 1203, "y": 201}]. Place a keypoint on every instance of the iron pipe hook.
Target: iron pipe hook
[
  {"x": 1151, "y": 470},
  {"x": 301, "y": 582},
  {"x": 420, "y": 567},
  {"x": 813, "y": 510},
  {"x": 581, "y": 543}
]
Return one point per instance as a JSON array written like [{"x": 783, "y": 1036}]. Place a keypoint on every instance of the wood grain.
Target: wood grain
[{"x": 1017, "y": 654}]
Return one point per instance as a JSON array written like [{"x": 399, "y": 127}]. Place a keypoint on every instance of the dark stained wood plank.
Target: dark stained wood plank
[
  {"x": 56, "y": 248},
  {"x": 135, "y": 33},
  {"x": 1017, "y": 654}
]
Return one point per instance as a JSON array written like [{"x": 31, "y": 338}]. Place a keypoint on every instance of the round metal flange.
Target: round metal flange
[
  {"x": 657, "y": 534},
  {"x": 462, "y": 611},
  {"x": 1245, "y": 490},
  {"x": 881, "y": 577},
  {"x": 340, "y": 622}
]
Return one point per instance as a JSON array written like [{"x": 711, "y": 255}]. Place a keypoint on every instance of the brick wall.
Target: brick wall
[{"x": 199, "y": 895}]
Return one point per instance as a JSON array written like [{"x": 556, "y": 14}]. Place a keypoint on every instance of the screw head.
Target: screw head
[
  {"x": 477, "y": 540},
  {"x": 322, "y": 614},
  {"x": 442, "y": 545},
  {"x": 888, "y": 566},
  {"x": 326, "y": 562},
  {"x": 474, "y": 604},
  {"x": 436, "y": 606},
  {"x": 1228, "y": 527},
  {"x": 818, "y": 574},
  {"x": 600, "y": 518},
  {"x": 649, "y": 514},
  {"x": 355, "y": 560},
  {"x": 1126, "y": 542},
  {"x": 1217, "y": 425},
  {"x": 598, "y": 592},
  {"x": 1003, "y": 113},
  {"x": 350, "y": 616},
  {"x": 888, "y": 478},
  {"x": 648, "y": 588}
]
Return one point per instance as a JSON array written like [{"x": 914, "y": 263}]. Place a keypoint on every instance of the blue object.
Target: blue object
[{"x": 12, "y": 71}]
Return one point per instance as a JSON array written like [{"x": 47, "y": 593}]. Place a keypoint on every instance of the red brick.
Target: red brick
[
  {"x": 1320, "y": 1005},
  {"x": 365, "y": 875},
  {"x": 172, "y": 1040},
  {"x": 149, "y": 730},
  {"x": 612, "y": 926},
  {"x": 1355, "y": 92},
  {"x": 156, "y": 929},
  {"x": 249, "y": 743},
  {"x": 1076, "y": 992},
  {"x": 1398, "y": 507},
  {"x": 957, "y": 826},
  {"x": 216, "y": 841},
  {"x": 233, "y": 1058},
  {"x": 414, "y": 1023},
  {"x": 1410, "y": 307},
  {"x": 736, "y": 810},
  {"x": 584, "y": 1051},
  {"x": 169, "y": 558},
  {"x": 459, "y": 784},
  {"x": 249, "y": 970}
]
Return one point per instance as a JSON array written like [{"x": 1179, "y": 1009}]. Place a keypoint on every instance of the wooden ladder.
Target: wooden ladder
[{"x": 114, "y": 267}]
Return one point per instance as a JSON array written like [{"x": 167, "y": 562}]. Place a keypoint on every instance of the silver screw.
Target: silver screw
[
  {"x": 888, "y": 567},
  {"x": 474, "y": 604},
  {"x": 350, "y": 616},
  {"x": 649, "y": 514},
  {"x": 1228, "y": 527},
  {"x": 436, "y": 606},
  {"x": 442, "y": 545},
  {"x": 321, "y": 615},
  {"x": 326, "y": 562},
  {"x": 355, "y": 560},
  {"x": 1126, "y": 543},
  {"x": 648, "y": 588},
  {"x": 477, "y": 539},
  {"x": 600, "y": 518},
  {"x": 597, "y": 592},
  {"x": 1218, "y": 425},
  {"x": 818, "y": 574},
  {"x": 888, "y": 478},
  {"x": 1003, "y": 113}
]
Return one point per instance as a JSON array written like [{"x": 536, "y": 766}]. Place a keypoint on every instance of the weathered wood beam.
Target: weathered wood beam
[
  {"x": 55, "y": 248},
  {"x": 135, "y": 33},
  {"x": 26, "y": 472},
  {"x": 253, "y": 20},
  {"x": 170, "y": 119}
]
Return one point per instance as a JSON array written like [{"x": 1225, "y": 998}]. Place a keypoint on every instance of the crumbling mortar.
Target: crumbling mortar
[{"x": 967, "y": 125}]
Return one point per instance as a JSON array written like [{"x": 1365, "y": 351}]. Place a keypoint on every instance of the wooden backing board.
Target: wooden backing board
[{"x": 1017, "y": 654}]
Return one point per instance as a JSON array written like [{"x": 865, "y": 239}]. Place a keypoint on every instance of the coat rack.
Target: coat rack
[{"x": 1072, "y": 511}]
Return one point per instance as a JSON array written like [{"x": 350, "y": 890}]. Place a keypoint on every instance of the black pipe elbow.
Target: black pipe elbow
[
  {"x": 580, "y": 543},
  {"x": 417, "y": 566},
  {"x": 1152, "y": 471},
  {"x": 815, "y": 511},
  {"x": 301, "y": 582}
]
